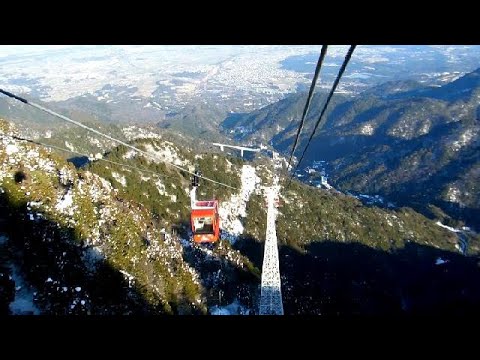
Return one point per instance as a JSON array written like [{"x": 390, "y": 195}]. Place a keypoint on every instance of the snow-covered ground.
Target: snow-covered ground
[
  {"x": 462, "y": 244},
  {"x": 447, "y": 227},
  {"x": 3, "y": 239},
  {"x": 440, "y": 261},
  {"x": 11, "y": 149},
  {"x": 23, "y": 303},
  {"x": 167, "y": 154},
  {"x": 231, "y": 211},
  {"x": 235, "y": 308},
  {"x": 309, "y": 175},
  {"x": 372, "y": 199},
  {"x": 120, "y": 178},
  {"x": 135, "y": 132},
  {"x": 453, "y": 194},
  {"x": 465, "y": 138},
  {"x": 367, "y": 129},
  {"x": 161, "y": 187},
  {"x": 129, "y": 154},
  {"x": 95, "y": 142},
  {"x": 69, "y": 146},
  {"x": 65, "y": 203}
]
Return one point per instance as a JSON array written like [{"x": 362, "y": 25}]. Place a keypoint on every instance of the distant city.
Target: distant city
[{"x": 233, "y": 78}]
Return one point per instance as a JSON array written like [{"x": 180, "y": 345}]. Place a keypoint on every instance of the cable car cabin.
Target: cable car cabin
[{"x": 205, "y": 221}]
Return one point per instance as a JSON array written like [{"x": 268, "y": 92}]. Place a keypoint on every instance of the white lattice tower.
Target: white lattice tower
[{"x": 271, "y": 293}]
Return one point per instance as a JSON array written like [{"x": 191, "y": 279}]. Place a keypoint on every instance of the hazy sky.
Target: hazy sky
[{"x": 6, "y": 50}]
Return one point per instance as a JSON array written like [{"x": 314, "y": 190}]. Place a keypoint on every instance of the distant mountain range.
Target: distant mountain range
[
  {"x": 198, "y": 120},
  {"x": 416, "y": 145}
]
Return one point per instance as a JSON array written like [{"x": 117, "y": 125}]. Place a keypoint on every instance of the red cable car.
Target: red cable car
[
  {"x": 204, "y": 216},
  {"x": 205, "y": 221}
]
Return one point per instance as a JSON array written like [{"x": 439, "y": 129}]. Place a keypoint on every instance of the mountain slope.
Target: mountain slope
[
  {"x": 198, "y": 119},
  {"x": 339, "y": 257},
  {"x": 276, "y": 121},
  {"x": 415, "y": 145},
  {"x": 120, "y": 257},
  {"x": 121, "y": 237}
]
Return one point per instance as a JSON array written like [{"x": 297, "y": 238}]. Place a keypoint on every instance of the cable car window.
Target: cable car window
[{"x": 203, "y": 225}]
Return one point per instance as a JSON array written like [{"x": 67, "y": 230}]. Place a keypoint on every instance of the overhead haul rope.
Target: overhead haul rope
[
  {"x": 307, "y": 104},
  {"x": 334, "y": 87},
  {"x": 31, "y": 103}
]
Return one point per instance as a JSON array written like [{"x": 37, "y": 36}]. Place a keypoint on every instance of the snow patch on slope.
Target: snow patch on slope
[
  {"x": 23, "y": 303},
  {"x": 447, "y": 227},
  {"x": 231, "y": 211},
  {"x": 95, "y": 142},
  {"x": 453, "y": 194},
  {"x": 167, "y": 154},
  {"x": 235, "y": 308},
  {"x": 367, "y": 129},
  {"x": 134, "y": 132},
  {"x": 161, "y": 187},
  {"x": 129, "y": 154},
  {"x": 64, "y": 205},
  {"x": 120, "y": 178},
  {"x": 3, "y": 239},
  {"x": 464, "y": 139},
  {"x": 11, "y": 149},
  {"x": 69, "y": 146}
]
